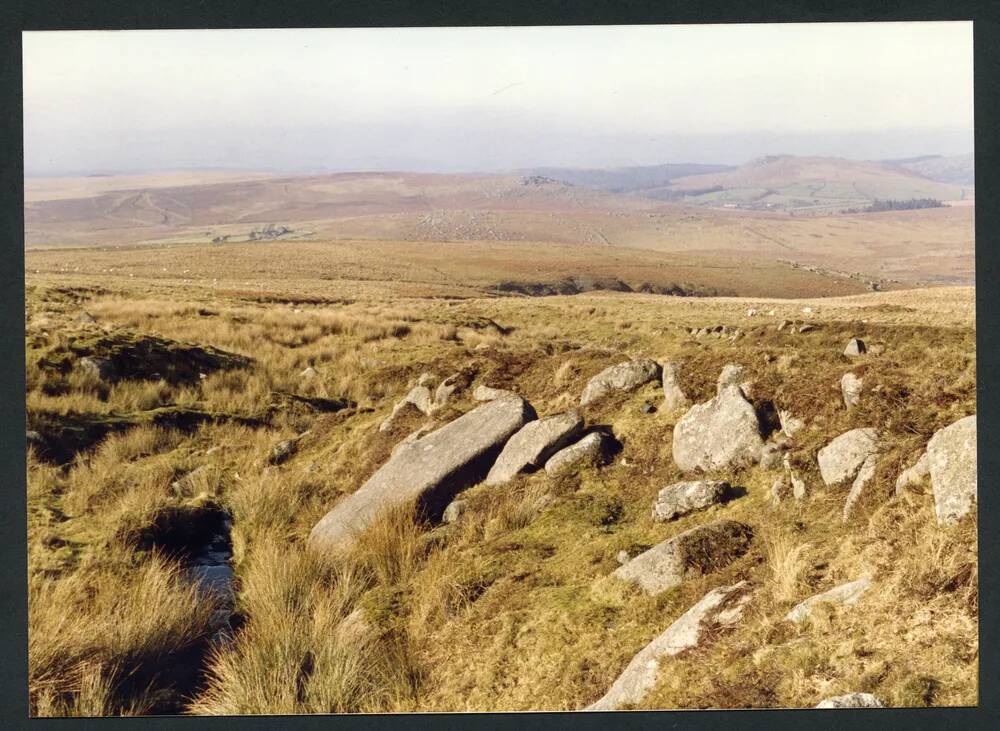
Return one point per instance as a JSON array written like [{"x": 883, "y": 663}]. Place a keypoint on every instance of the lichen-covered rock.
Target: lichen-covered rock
[
  {"x": 849, "y": 593},
  {"x": 623, "y": 377},
  {"x": 419, "y": 397},
  {"x": 695, "y": 552},
  {"x": 487, "y": 393},
  {"x": 951, "y": 455},
  {"x": 840, "y": 460},
  {"x": 850, "y": 388},
  {"x": 731, "y": 375},
  {"x": 446, "y": 390},
  {"x": 720, "y": 608},
  {"x": 674, "y": 398},
  {"x": 852, "y": 700},
  {"x": 593, "y": 449},
  {"x": 431, "y": 470},
  {"x": 718, "y": 434},
  {"x": 682, "y": 498},
  {"x": 534, "y": 444}
]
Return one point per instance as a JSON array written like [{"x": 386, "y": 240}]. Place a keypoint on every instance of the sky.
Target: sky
[{"x": 483, "y": 99}]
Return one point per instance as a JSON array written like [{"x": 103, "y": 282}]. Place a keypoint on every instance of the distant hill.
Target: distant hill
[
  {"x": 957, "y": 169},
  {"x": 821, "y": 184},
  {"x": 627, "y": 179}
]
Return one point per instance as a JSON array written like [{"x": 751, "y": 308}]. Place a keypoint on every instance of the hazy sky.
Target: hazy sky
[{"x": 492, "y": 98}]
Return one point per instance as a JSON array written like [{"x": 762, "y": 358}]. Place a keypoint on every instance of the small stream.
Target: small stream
[{"x": 201, "y": 541}]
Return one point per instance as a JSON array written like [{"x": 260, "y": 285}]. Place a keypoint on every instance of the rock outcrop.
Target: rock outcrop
[
  {"x": 533, "y": 444},
  {"x": 682, "y": 498},
  {"x": 951, "y": 456},
  {"x": 718, "y": 434},
  {"x": 720, "y": 608},
  {"x": 695, "y": 552},
  {"x": 623, "y": 377},
  {"x": 841, "y": 459},
  {"x": 593, "y": 449},
  {"x": 430, "y": 470},
  {"x": 848, "y": 593}
]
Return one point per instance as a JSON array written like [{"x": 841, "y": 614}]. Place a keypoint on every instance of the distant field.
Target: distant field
[{"x": 361, "y": 269}]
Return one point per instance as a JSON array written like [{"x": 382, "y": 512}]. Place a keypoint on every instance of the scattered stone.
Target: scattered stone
[
  {"x": 427, "y": 379},
  {"x": 281, "y": 451},
  {"x": 695, "y": 552},
  {"x": 188, "y": 484},
  {"x": 593, "y": 449},
  {"x": 790, "y": 425},
  {"x": 308, "y": 373},
  {"x": 454, "y": 511},
  {"x": 682, "y": 498},
  {"x": 851, "y": 387},
  {"x": 799, "y": 489},
  {"x": 647, "y": 408},
  {"x": 951, "y": 456},
  {"x": 419, "y": 398},
  {"x": 622, "y": 558},
  {"x": 626, "y": 376},
  {"x": 718, "y": 434},
  {"x": 431, "y": 470},
  {"x": 100, "y": 368},
  {"x": 848, "y": 593},
  {"x": 806, "y": 328},
  {"x": 482, "y": 346},
  {"x": 400, "y": 411},
  {"x": 783, "y": 324},
  {"x": 913, "y": 475},
  {"x": 720, "y": 608},
  {"x": 807, "y": 310},
  {"x": 674, "y": 398},
  {"x": 865, "y": 475},
  {"x": 751, "y": 312},
  {"x": 533, "y": 444},
  {"x": 855, "y": 347},
  {"x": 852, "y": 700},
  {"x": 841, "y": 459},
  {"x": 730, "y": 376}
]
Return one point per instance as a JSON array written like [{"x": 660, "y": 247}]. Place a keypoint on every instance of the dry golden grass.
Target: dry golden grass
[{"x": 511, "y": 608}]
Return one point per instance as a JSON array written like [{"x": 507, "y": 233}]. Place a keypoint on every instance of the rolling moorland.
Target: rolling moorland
[{"x": 201, "y": 415}]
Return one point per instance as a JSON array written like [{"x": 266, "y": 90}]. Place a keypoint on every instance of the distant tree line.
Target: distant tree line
[{"x": 903, "y": 205}]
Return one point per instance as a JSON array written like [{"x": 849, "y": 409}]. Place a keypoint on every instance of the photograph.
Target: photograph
[{"x": 494, "y": 369}]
